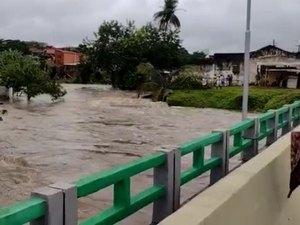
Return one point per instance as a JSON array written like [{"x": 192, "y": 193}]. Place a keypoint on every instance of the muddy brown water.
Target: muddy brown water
[{"x": 91, "y": 129}]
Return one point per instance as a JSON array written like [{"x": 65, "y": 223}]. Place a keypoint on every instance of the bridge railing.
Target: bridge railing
[
  {"x": 58, "y": 203},
  {"x": 123, "y": 203},
  {"x": 200, "y": 164},
  {"x": 23, "y": 212}
]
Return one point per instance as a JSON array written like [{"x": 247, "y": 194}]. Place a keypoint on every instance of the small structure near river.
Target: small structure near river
[{"x": 269, "y": 66}]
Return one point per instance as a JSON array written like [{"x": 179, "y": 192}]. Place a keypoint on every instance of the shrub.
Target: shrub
[
  {"x": 187, "y": 82},
  {"x": 260, "y": 99},
  {"x": 280, "y": 100}
]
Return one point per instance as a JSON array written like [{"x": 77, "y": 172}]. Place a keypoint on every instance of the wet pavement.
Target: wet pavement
[{"x": 91, "y": 129}]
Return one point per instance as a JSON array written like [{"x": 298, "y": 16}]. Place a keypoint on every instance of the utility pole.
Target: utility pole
[{"x": 246, "y": 62}]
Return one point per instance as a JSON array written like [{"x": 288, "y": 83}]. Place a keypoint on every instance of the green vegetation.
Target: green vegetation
[
  {"x": 25, "y": 74},
  {"x": 188, "y": 78},
  {"x": 260, "y": 99},
  {"x": 167, "y": 17},
  {"x": 118, "y": 49}
]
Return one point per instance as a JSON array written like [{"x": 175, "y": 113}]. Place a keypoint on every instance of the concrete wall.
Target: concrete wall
[
  {"x": 3, "y": 91},
  {"x": 254, "y": 194}
]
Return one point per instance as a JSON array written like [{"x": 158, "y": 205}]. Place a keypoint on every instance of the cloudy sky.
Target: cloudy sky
[{"x": 214, "y": 25}]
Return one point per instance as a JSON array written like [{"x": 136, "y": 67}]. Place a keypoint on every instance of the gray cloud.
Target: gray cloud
[{"x": 217, "y": 25}]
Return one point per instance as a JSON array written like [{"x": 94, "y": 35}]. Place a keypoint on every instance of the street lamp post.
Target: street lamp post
[{"x": 246, "y": 62}]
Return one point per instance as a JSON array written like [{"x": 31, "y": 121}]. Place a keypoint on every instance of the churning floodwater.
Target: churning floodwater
[{"x": 93, "y": 128}]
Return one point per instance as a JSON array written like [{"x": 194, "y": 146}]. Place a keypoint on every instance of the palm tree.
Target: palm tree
[{"x": 167, "y": 17}]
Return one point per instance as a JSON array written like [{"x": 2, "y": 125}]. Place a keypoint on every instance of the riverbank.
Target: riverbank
[{"x": 230, "y": 98}]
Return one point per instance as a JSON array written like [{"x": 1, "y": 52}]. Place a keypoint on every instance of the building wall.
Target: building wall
[
  {"x": 255, "y": 193},
  {"x": 254, "y": 62},
  {"x": 71, "y": 58},
  {"x": 59, "y": 58},
  {"x": 66, "y": 58},
  {"x": 272, "y": 59}
]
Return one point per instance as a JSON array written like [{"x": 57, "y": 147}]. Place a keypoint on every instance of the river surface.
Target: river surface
[{"x": 91, "y": 129}]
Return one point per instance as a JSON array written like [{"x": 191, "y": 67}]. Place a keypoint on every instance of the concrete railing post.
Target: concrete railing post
[
  {"x": 288, "y": 117},
  {"x": 273, "y": 123},
  {"x": 165, "y": 176},
  {"x": 220, "y": 150},
  {"x": 55, "y": 206},
  {"x": 177, "y": 180},
  {"x": 70, "y": 202},
  {"x": 252, "y": 134},
  {"x": 296, "y": 122}
]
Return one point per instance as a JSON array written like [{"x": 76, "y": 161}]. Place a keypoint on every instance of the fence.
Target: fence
[{"x": 58, "y": 203}]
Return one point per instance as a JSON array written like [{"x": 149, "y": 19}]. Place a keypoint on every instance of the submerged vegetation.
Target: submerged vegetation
[{"x": 26, "y": 74}]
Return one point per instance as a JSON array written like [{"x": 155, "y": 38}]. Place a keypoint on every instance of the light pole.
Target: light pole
[{"x": 246, "y": 62}]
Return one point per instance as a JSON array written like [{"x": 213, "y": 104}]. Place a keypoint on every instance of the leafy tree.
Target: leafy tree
[
  {"x": 167, "y": 17},
  {"x": 194, "y": 58},
  {"x": 24, "y": 73},
  {"x": 119, "y": 49},
  {"x": 20, "y": 46}
]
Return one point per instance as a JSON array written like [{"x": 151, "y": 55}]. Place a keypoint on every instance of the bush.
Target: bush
[
  {"x": 187, "y": 82},
  {"x": 188, "y": 78},
  {"x": 230, "y": 98},
  {"x": 280, "y": 100}
]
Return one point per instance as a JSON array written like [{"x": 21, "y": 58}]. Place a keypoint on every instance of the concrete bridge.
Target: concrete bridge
[{"x": 255, "y": 193}]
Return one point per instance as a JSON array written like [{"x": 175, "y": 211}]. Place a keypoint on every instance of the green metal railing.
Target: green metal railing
[
  {"x": 23, "y": 212},
  {"x": 265, "y": 129},
  {"x": 197, "y": 148},
  {"x": 239, "y": 141},
  {"x": 124, "y": 203},
  {"x": 282, "y": 121}
]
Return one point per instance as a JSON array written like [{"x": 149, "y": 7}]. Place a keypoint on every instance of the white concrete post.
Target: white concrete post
[
  {"x": 220, "y": 149},
  {"x": 164, "y": 175},
  {"x": 288, "y": 117},
  {"x": 273, "y": 123},
  {"x": 70, "y": 202},
  {"x": 11, "y": 94},
  {"x": 55, "y": 206},
  {"x": 252, "y": 134}
]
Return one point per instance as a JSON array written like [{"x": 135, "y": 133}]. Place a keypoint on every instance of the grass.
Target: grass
[{"x": 260, "y": 99}]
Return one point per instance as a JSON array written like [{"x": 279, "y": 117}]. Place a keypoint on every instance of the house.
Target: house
[
  {"x": 66, "y": 58},
  {"x": 269, "y": 66}
]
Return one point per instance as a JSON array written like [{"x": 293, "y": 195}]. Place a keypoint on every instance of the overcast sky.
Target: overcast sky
[{"x": 215, "y": 25}]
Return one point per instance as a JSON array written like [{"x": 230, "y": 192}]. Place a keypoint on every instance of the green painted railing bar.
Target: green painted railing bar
[
  {"x": 283, "y": 109},
  {"x": 92, "y": 184},
  {"x": 198, "y": 158},
  {"x": 23, "y": 212},
  {"x": 240, "y": 127},
  {"x": 238, "y": 149},
  {"x": 194, "y": 172},
  {"x": 116, "y": 214},
  {"x": 200, "y": 143},
  {"x": 266, "y": 116},
  {"x": 265, "y": 133},
  {"x": 122, "y": 193},
  {"x": 239, "y": 142}
]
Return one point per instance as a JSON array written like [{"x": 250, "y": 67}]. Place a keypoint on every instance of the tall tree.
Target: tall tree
[{"x": 167, "y": 17}]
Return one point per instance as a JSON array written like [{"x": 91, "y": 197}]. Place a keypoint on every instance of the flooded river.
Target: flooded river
[{"x": 91, "y": 129}]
